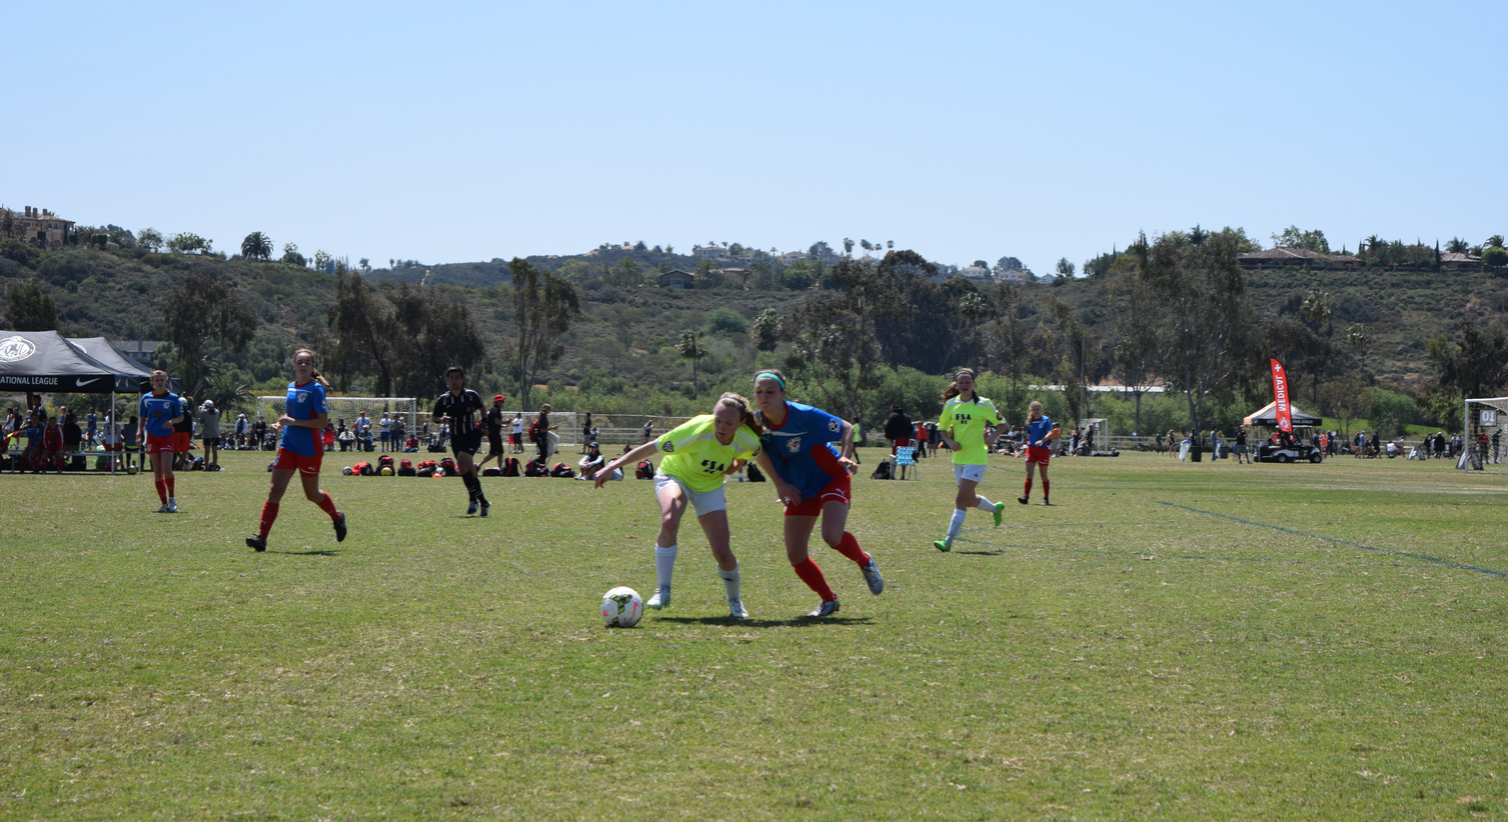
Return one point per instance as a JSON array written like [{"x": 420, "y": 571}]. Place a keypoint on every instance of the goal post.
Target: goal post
[{"x": 1485, "y": 415}]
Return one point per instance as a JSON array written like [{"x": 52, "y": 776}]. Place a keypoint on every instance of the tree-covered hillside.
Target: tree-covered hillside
[{"x": 856, "y": 335}]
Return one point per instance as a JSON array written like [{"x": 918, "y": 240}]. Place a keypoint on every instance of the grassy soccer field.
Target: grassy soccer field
[{"x": 1171, "y": 641}]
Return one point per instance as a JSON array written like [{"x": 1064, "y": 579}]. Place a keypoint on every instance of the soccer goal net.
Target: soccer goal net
[
  {"x": 1485, "y": 416},
  {"x": 397, "y": 409}
]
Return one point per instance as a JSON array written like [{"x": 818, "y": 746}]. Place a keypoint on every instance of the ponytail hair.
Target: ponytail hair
[
  {"x": 953, "y": 390},
  {"x": 738, "y": 401},
  {"x": 319, "y": 378}
]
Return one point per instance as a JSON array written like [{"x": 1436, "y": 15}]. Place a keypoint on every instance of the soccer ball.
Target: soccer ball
[
  {"x": 386, "y": 471},
  {"x": 622, "y": 607},
  {"x": 346, "y": 470},
  {"x": 131, "y": 469},
  {"x": 438, "y": 475}
]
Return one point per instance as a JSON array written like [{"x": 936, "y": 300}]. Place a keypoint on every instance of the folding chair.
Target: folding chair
[{"x": 905, "y": 457}]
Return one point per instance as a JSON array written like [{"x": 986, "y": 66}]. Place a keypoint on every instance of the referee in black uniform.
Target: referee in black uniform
[{"x": 460, "y": 406}]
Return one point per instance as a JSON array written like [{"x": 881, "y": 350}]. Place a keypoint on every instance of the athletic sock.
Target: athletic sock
[
  {"x": 730, "y": 581},
  {"x": 986, "y": 505},
  {"x": 664, "y": 564},
  {"x": 169, "y": 481},
  {"x": 162, "y": 490},
  {"x": 849, "y": 547},
  {"x": 812, "y": 576},
  {"x": 471, "y": 484},
  {"x": 325, "y": 504},
  {"x": 1028, "y": 492},
  {"x": 956, "y": 524},
  {"x": 1045, "y": 488},
  {"x": 269, "y": 516}
]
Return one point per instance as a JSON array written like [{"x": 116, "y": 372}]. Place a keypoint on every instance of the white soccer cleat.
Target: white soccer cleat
[
  {"x": 737, "y": 610},
  {"x": 164, "y": 510},
  {"x": 172, "y": 506},
  {"x": 873, "y": 578},
  {"x": 661, "y": 599}
]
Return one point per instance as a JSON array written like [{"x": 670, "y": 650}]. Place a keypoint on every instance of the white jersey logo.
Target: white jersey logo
[
  {"x": 835, "y": 425},
  {"x": 793, "y": 445}
]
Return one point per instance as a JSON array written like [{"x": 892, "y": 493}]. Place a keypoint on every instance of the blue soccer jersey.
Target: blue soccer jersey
[
  {"x": 798, "y": 448},
  {"x": 157, "y": 413},
  {"x": 1037, "y": 430},
  {"x": 305, "y": 402}
]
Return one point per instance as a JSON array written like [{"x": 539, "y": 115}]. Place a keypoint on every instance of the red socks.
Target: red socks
[
  {"x": 1028, "y": 492},
  {"x": 812, "y": 576},
  {"x": 169, "y": 481},
  {"x": 269, "y": 516},
  {"x": 162, "y": 490},
  {"x": 849, "y": 547},
  {"x": 1045, "y": 488},
  {"x": 327, "y": 505}
]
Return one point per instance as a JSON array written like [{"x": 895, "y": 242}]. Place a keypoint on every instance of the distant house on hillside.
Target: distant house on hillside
[
  {"x": 1296, "y": 256},
  {"x": 40, "y": 227},
  {"x": 973, "y": 273},
  {"x": 739, "y": 274},
  {"x": 139, "y": 351},
  {"x": 675, "y": 278},
  {"x": 1457, "y": 261},
  {"x": 709, "y": 252},
  {"x": 1011, "y": 276}
]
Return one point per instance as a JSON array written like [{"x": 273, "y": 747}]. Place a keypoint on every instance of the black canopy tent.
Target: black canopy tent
[
  {"x": 130, "y": 377},
  {"x": 44, "y": 361},
  {"x": 47, "y": 362}
]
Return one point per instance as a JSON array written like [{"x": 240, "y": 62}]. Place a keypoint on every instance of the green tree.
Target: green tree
[
  {"x": 7, "y": 223},
  {"x": 1294, "y": 237},
  {"x": 1458, "y": 246},
  {"x": 1137, "y": 340},
  {"x": 28, "y": 309},
  {"x": 1476, "y": 365},
  {"x": 256, "y": 246},
  {"x": 1064, "y": 268},
  {"x": 202, "y": 310},
  {"x": 435, "y": 331},
  {"x": 543, "y": 307},
  {"x": 767, "y": 330},
  {"x": 724, "y": 320},
  {"x": 1201, "y": 297},
  {"x": 366, "y": 336},
  {"x": 188, "y": 241},
  {"x": 1390, "y": 411},
  {"x": 1494, "y": 257},
  {"x": 847, "y": 247},
  {"x": 1345, "y": 398},
  {"x": 322, "y": 261}
]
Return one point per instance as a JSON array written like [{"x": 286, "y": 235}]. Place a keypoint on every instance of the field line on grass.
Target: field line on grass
[{"x": 1421, "y": 557}]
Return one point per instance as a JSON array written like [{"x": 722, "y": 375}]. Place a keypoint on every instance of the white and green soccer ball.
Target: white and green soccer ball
[{"x": 622, "y": 607}]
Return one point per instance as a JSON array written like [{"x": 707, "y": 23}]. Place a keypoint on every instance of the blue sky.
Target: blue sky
[{"x": 467, "y": 131}]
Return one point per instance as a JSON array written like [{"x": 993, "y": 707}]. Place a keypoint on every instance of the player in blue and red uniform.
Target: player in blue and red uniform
[
  {"x": 300, "y": 449},
  {"x": 1040, "y": 432},
  {"x": 160, "y": 411},
  {"x": 812, "y": 481}
]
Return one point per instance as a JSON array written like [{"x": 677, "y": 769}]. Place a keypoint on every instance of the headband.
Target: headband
[{"x": 775, "y": 377}]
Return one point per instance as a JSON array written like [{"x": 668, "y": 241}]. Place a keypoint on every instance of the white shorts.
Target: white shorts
[
  {"x": 704, "y": 502},
  {"x": 973, "y": 473}
]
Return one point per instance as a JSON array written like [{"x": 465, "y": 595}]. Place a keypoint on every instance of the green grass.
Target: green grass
[{"x": 1148, "y": 647}]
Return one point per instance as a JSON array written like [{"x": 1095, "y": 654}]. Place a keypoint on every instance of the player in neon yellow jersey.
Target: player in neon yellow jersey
[
  {"x": 699, "y": 453},
  {"x": 965, "y": 426}
]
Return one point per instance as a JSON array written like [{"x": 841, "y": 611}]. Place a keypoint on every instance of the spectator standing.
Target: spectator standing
[
  {"x": 649, "y": 428},
  {"x": 92, "y": 432},
  {"x": 898, "y": 428},
  {"x": 241, "y": 428},
  {"x": 363, "y": 432},
  {"x": 183, "y": 435},
  {"x": 209, "y": 434},
  {"x": 73, "y": 440},
  {"x": 259, "y": 432},
  {"x": 539, "y": 432},
  {"x": 517, "y": 435},
  {"x": 586, "y": 432}
]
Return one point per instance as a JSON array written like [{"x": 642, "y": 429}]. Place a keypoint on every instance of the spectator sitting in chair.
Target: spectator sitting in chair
[
  {"x": 73, "y": 440},
  {"x": 52, "y": 446}
]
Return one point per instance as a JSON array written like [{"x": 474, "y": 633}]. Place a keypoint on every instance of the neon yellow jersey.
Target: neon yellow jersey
[
  {"x": 965, "y": 422},
  {"x": 694, "y": 456}
]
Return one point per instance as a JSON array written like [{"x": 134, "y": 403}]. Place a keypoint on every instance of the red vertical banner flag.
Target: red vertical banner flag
[{"x": 1280, "y": 397}]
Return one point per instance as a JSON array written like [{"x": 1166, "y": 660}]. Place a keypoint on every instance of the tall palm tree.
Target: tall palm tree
[
  {"x": 1457, "y": 246},
  {"x": 256, "y": 246},
  {"x": 1495, "y": 241}
]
